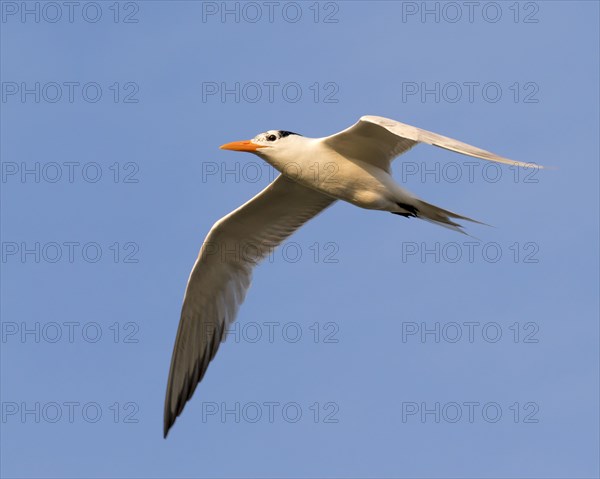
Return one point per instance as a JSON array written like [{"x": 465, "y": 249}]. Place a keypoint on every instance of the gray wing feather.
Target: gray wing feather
[
  {"x": 221, "y": 277},
  {"x": 379, "y": 140}
]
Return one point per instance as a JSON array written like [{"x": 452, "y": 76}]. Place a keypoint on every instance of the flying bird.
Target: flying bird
[{"x": 352, "y": 165}]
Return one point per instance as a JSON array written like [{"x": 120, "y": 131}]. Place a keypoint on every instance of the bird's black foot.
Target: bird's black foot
[{"x": 412, "y": 212}]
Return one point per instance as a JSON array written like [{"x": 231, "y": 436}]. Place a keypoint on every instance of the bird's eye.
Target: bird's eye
[{"x": 271, "y": 138}]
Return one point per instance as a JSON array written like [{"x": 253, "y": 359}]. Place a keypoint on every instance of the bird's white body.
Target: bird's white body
[
  {"x": 314, "y": 164},
  {"x": 352, "y": 165}
]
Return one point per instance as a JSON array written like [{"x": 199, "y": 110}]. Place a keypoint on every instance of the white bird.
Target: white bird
[{"x": 352, "y": 165}]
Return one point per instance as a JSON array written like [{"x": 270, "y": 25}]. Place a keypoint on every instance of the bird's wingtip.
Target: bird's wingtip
[
  {"x": 168, "y": 421},
  {"x": 167, "y": 427}
]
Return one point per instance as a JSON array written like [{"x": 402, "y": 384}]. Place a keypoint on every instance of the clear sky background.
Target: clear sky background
[{"x": 363, "y": 392}]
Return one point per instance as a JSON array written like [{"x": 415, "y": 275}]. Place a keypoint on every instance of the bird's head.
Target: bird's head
[{"x": 267, "y": 144}]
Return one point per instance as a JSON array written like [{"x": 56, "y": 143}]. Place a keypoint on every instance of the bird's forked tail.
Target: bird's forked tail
[{"x": 433, "y": 214}]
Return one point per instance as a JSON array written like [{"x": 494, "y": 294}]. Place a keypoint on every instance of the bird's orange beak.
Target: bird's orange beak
[{"x": 246, "y": 145}]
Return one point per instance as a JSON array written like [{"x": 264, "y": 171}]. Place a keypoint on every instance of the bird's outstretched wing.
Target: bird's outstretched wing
[
  {"x": 379, "y": 140},
  {"x": 221, "y": 276}
]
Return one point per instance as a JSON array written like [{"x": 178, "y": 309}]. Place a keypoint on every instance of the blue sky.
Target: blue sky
[{"x": 369, "y": 345}]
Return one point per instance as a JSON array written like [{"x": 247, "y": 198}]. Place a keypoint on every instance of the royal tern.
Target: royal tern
[{"x": 352, "y": 165}]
